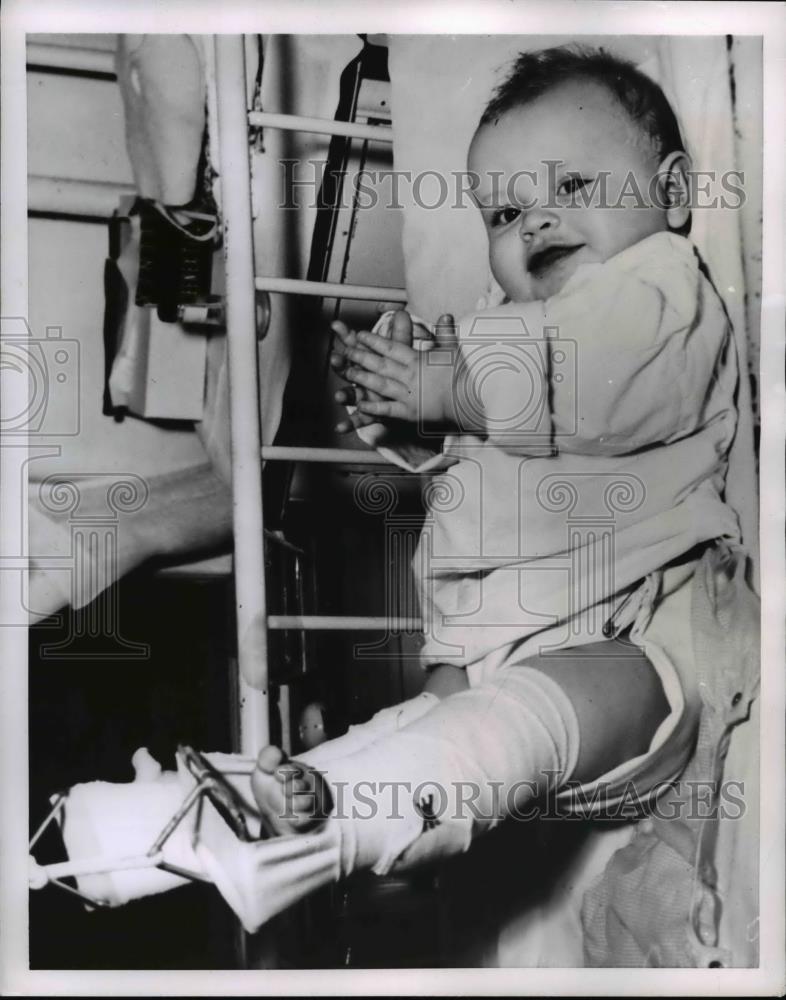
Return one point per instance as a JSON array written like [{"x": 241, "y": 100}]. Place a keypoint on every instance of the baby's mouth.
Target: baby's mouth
[{"x": 542, "y": 260}]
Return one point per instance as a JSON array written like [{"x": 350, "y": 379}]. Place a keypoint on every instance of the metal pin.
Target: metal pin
[
  {"x": 98, "y": 903},
  {"x": 58, "y": 803},
  {"x": 173, "y": 823}
]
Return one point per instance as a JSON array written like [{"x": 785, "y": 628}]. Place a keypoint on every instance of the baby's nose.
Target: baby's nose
[{"x": 537, "y": 220}]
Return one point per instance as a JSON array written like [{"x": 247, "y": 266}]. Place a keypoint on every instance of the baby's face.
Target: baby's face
[{"x": 538, "y": 224}]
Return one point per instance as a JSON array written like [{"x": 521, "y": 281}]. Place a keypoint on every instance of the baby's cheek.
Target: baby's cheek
[
  {"x": 517, "y": 286},
  {"x": 506, "y": 259}
]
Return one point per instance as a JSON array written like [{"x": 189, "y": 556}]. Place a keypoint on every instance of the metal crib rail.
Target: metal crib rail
[
  {"x": 71, "y": 196},
  {"x": 80, "y": 58},
  {"x": 231, "y": 87},
  {"x": 329, "y": 289},
  {"x": 320, "y": 126},
  {"x": 246, "y": 446},
  {"x": 330, "y": 456}
]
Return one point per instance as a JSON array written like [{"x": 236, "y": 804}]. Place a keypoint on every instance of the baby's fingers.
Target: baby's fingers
[
  {"x": 395, "y": 350},
  {"x": 345, "y": 336},
  {"x": 401, "y": 327},
  {"x": 353, "y": 422},
  {"x": 347, "y": 397},
  {"x": 341, "y": 365},
  {"x": 445, "y": 330},
  {"x": 374, "y": 362},
  {"x": 389, "y": 388},
  {"x": 392, "y": 409},
  {"x": 351, "y": 395},
  {"x": 338, "y": 361}
]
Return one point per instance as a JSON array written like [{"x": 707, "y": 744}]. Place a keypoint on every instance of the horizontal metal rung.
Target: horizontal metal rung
[
  {"x": 343, "y": 623},
  {"x": 70, "y": 57},
  {"x": 330, "y": 289},
  {"x": 321, "y": 126},
  {"x": 331, "y": 456},
  {"x": 64, "y": 196}
]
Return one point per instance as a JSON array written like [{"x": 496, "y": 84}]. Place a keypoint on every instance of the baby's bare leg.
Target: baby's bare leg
[{"x": 617, "y": 696}]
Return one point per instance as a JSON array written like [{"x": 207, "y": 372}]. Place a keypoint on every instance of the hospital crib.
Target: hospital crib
[{"x": 721, "y": 236}]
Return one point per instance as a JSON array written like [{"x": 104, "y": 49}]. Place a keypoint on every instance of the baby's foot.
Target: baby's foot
[{"x": 292, "y": 797}]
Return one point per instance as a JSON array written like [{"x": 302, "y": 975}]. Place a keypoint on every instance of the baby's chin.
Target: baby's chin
[
  {"x": 549, "y": 286},
  {"x": 536, "y": 288},
  {"x": 554, "y": 279}
]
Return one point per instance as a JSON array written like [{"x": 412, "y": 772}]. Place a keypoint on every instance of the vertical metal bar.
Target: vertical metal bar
[
  {"x": 249, "y": 559},
  {"x": 285, "y": 714}
]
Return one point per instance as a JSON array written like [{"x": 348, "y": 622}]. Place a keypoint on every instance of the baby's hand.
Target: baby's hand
[
  {"x": 396, "y": 381},
  {"x": 339, "y": 360}
]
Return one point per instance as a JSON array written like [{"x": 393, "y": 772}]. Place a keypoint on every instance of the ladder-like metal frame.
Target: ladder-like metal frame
[
  {"x": 89, "y": 198},
  {"x": 253, "y": 620}
]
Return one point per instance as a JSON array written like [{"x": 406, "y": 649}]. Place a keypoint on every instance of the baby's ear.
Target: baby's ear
[{"x": 673, "y": 189}]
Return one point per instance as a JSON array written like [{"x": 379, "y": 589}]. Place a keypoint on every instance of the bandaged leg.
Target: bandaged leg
[
  {"x": 402, "y": 794},
  {"x": 453, "y": 774},
  {"x": 384, "y": 723},
  {"x": 292, "y": 794},
  {"x": 424, "y": 791}
]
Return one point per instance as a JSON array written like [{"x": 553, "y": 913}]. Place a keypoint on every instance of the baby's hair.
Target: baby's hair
[{"x": 535, "y": 73}]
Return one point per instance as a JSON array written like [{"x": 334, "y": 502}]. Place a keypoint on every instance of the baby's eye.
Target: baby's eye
[
  {"x": 504, "y": 216},
  {"x": 572, "y": 184}
]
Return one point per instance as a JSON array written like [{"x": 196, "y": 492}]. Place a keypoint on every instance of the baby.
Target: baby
[{"x": 588, "y": 420}]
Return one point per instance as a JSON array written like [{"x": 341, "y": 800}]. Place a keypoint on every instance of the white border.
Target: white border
[{"x": 408, "y": 16}]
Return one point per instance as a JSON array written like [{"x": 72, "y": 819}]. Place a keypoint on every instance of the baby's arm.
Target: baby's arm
[
  {"x": 631, "y": 355},
  {"x": 624, "y": 361},
  {"x": 648, "y": 350}
]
